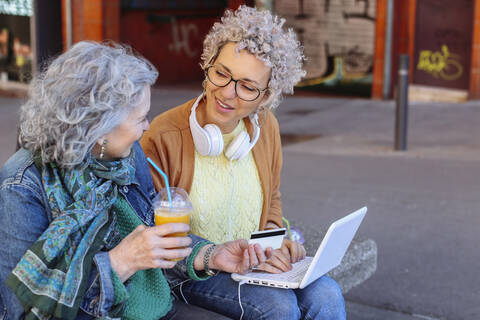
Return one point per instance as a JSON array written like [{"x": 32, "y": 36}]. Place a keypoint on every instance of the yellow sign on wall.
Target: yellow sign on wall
[{"x": 440, "y": 64}]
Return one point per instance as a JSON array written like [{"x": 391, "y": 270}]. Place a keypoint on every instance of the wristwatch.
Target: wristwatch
[{"x": 206, "y": 261}]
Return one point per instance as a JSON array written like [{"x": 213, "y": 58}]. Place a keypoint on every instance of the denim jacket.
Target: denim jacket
[{"x": 25, "y": 214}]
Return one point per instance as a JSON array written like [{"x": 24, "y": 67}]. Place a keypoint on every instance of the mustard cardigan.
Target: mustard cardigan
[{"x": 169, "y": 144}]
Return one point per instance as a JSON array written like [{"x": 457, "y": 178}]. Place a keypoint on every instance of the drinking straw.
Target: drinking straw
[{"x": 165, "y": 179}]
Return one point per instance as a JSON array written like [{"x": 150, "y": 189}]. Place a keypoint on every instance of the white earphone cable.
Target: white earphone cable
[
  {"x": 230, "y": 207},
  {"x": 180, "y": 289},
  {"x": 240, "y": 299}
]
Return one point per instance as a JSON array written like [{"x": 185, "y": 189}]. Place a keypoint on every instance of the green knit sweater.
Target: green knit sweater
[{"x": 148, "y": 295}]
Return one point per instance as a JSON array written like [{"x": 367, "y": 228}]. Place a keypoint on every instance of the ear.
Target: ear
[
  {"x": 266, "y": 100},
  {"x": 100, "y": 141}
]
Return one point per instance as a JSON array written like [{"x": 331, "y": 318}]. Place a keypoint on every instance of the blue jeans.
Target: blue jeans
[{"x": 322, "y": 299}]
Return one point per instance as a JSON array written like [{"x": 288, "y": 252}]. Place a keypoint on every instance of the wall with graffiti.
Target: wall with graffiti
[
  {"x": 338, "y": 36},
  {"x": 170, "y": 34},
  {"x": 443, "y": 43}
]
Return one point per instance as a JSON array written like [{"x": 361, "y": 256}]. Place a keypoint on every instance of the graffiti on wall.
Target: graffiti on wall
[
  {"x": 443, "y": 43},
  {"x": 352, "y": 65},
  {"x": 178, "y": 38},
  {"x": 441, "y": 64},
  {"x": 181, "y": 35},
  {"x": 360, "y": 15},
  {"x": 338, "y": 39}
]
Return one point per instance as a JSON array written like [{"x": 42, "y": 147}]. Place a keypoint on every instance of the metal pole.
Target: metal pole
[
  {"x": 387, "y": 65},
  {"x": 401, "y": 116},
  {"x": 68, "y": 22},
  {"x": 33, "y": 36}
]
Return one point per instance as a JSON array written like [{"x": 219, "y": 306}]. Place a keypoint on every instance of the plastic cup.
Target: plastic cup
[{"x": 178, "y": 211}]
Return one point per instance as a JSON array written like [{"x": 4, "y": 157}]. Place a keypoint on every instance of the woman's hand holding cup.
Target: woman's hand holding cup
[
  {"x": 173, "y": 208},
  {"x": 150, "y": 247}
]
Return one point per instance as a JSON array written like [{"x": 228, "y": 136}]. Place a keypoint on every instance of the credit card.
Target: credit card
[{"x": 268, "y": 238}]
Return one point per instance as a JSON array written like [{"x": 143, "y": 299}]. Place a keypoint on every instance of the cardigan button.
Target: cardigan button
[{"x": 125, "y": 189}]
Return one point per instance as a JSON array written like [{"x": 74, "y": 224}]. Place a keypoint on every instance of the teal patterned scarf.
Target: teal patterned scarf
[{"x": 51, "y": 278}]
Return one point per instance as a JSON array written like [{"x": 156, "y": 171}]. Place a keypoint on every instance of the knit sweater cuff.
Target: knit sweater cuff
[
  {"x": 120, "y": 291},
  {"x": 196, "y": 275}
]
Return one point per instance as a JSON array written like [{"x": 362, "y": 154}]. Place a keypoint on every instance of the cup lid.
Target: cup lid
[{"x": 180, "y": 200}]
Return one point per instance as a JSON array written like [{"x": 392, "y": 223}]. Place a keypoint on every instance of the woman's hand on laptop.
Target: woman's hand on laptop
[
  {"x": 282, "y": 259},
  {"x": 233, "y": 256},
  {"x": 295, "y": 249}
]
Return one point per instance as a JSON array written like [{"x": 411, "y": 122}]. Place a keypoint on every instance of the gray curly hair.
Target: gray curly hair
[
  {"x": 261, "y": 34},
  {"x": 83, "y": 94}
]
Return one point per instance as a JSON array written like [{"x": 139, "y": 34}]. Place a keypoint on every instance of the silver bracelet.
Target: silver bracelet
[{"x": 206, "y": 261}]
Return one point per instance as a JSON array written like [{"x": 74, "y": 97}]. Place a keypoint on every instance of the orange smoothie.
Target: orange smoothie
[
  {"x": 163, "y": 216},
  {"x": 174, "y": 209}
]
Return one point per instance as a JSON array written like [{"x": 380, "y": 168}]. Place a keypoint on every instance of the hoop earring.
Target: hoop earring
[{"x": 102, "y": 151}]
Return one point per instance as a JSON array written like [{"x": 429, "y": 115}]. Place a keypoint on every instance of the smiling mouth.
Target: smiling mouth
[{"x": 223, "y": 105}]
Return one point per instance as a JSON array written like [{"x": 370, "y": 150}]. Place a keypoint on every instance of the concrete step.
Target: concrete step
[{"x": 358, "y": 264}]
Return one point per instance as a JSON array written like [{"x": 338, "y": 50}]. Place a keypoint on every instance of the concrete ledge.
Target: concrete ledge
[
  {"x": 13, "y": 89},
  {"x": 358, "y": 264}
]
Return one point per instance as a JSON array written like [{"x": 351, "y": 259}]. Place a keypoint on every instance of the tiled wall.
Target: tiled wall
[{"x": 333, "y": 32}]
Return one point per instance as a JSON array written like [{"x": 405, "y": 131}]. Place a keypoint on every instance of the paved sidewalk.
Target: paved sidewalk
[
  {"x": 423, "y": 203},
  {"x": 356, "y": 311}
]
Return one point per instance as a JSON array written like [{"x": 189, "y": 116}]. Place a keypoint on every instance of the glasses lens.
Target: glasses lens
[
  {"x": 218, "y": 77},
  {"x": 246, "y": 91}
]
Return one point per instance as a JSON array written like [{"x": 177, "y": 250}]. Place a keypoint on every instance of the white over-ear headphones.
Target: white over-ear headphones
[{"x": 209, "y": 140}]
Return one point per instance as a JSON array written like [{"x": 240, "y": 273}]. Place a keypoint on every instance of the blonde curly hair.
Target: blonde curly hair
[{"x": 262, "y": 34}]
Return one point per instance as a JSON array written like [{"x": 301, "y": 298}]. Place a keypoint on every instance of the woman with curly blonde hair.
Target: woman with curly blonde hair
[{"x": 224, "y": 148}]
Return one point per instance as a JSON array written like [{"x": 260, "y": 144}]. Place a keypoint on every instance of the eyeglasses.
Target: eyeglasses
[{"x": 243, "y": 89}]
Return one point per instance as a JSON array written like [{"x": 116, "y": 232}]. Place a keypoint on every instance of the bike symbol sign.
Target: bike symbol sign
[{"x": 440, "y": 64}]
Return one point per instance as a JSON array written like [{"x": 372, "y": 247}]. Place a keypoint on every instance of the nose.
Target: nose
[{"x": 228, "y": 91}]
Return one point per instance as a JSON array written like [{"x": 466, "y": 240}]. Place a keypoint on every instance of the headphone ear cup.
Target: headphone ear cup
[
  {"x": 239, "y": 147},
  {"x": 215, "y": 138},
  {"x": 201, "y": 140},
  {"x": 207, "y": 140}
]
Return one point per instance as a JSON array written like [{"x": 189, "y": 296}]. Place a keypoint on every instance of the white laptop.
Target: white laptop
[{"x": 329, "y": 255}]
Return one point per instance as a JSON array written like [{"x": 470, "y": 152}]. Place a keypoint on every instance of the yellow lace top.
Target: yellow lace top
[{"x": 227, "y": 196}]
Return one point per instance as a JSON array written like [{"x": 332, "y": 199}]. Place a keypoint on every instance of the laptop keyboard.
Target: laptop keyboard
[{"x": 298, "y": 271}]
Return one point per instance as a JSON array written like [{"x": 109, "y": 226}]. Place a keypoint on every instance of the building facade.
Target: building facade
[
  {"x": 338, "y": 38},
  {"x": 442, "y": 40},
  {"x": 344, "y": 40}
]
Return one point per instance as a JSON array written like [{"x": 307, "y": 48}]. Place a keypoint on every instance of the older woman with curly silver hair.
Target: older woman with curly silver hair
[
  {"x": 76, "y": 218},
  {"x": 224, "y": 148}
]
